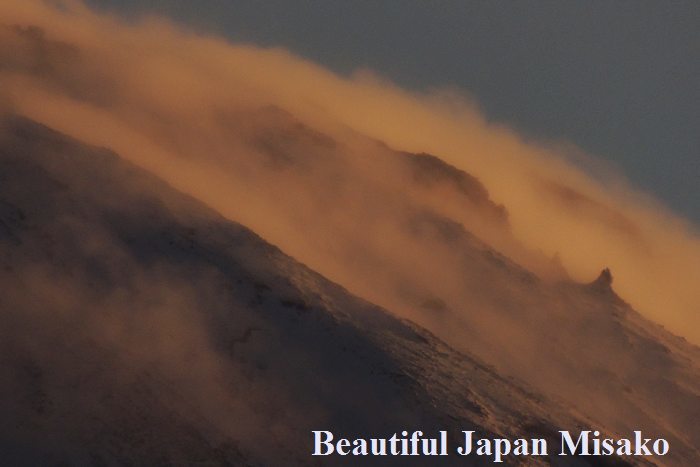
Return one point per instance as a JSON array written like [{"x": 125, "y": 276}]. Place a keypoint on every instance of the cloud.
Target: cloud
[{"x": 185, "y": 106}]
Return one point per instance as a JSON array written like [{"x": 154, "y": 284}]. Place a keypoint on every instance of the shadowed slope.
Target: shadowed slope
[{"x": 141, "y": 327}]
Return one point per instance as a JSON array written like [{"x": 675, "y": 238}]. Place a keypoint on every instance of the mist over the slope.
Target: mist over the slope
[
  {"x": 140, "y": 327},
  {"x": 298, "y": 154}
]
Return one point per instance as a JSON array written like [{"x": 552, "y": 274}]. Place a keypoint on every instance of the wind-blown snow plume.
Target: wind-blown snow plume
[{"x": 315, "y": 163}]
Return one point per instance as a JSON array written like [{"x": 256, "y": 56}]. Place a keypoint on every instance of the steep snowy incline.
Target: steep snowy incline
[{"x": 140, "y": 327}]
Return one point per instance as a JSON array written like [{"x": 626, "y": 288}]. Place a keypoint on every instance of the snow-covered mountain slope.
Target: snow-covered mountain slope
[
  {"x": 139, "y": 324},
  {"x": 139, "y": 327},
  {"x": 434, "y": 246},
  {"x": 425, "y": 239}
]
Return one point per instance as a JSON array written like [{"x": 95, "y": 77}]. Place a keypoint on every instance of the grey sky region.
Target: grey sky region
[{"x": 618, "y": 79}]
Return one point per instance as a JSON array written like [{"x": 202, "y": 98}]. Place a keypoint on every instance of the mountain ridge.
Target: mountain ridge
[
  {"x": 76, "y": 269},
  {"x": 479, "y": 400}
]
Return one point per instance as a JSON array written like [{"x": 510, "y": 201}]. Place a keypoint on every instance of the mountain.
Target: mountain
[
  {"x": 140, "y": 327},
  {"x": 208, "y": 250},
  {"x": 433, "y": 245}
]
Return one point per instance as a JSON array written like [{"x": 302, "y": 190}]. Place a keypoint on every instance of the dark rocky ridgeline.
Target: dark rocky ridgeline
[{"x": 430, "y": 171}]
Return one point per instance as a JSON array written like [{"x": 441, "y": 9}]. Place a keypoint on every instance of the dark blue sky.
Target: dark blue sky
[{"x": 619, "y": 79}]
